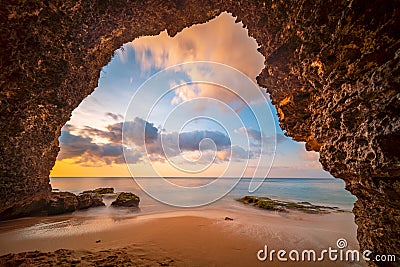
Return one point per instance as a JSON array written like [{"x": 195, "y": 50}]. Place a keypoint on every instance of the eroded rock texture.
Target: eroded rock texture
[{"x": 332, "y": 68}]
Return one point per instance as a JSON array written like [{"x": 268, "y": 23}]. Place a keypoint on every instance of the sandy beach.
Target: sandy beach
[{"x": 180, "y": 238}]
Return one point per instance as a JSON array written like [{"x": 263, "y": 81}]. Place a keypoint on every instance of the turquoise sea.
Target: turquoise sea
[
  {"x": 328, "y": 192},
  {"x": 325, "y": 191}
]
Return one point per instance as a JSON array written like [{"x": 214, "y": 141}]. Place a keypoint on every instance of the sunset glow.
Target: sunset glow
[{"x": 91, "y": 141}]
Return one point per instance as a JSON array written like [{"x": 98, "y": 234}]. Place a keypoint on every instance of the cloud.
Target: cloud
[
  {"x": 311, "y": 159},
  {"x": 113, "y": 116},
  {"x": 238, "y": 154},
  {"x": 220, "y": 40},
  {"x": 131, "y": 157},
  {"x": 81, "y": 145},
  {"x": 173, "y": 144},
  {"x": 191, "y": 140},
  {"x": 74, "y": 145},
  {"x": 160, "y": 144},
  {"x": 86, "y": 152},
  {"x": 255, "y": 136},
  {"x": 112, "y": 135},
  {"x": 136, "y": 132}
]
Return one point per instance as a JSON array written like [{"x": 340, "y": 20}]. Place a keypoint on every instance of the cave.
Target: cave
[{"x": 332, "y": 70}]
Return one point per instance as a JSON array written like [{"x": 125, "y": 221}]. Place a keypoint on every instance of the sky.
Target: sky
[{"x": 152, "y": 115}]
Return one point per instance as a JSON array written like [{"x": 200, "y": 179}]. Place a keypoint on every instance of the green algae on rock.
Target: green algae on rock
[
  {"x": 126, "y": 199},
  {"x": 101, "y": 191},
  {"x": 283, "y": 206}
]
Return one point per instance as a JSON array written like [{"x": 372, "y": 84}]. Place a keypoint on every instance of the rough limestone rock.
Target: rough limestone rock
[
  {"x": 284, "y": 206},
  {"x": 62, "y": 202},
  {"x": 126, "y": 199},
  {"x": 101, "y": 190},
  {"x": 65, "y": 202},
  {"x": 332, "y": 68},
  {"x": 127, "y": 256},
  {"x": 89, "y": 200}
]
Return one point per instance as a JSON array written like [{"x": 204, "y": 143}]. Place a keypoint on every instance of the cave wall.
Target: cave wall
[{"x": 332, "y": 69}]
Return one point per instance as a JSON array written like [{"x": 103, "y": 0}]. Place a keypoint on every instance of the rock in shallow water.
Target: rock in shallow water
[
  {"x": 65, "y": 202},
  {"x": 89, "y": 200},
  {"x": 126, "y": 199},
  {"x": 283, "y": 206},
  {"x": 101, "y": 191},
  {"x": 62, "y": 202}
]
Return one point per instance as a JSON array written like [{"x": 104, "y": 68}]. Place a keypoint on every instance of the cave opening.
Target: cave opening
[{"x": 90, "y": 143}]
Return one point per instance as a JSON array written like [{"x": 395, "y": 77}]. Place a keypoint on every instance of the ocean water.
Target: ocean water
[{"x": 326, "y": 191}]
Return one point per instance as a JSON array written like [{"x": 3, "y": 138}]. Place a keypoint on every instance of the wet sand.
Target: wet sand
[{"x": 181, "y": 238}]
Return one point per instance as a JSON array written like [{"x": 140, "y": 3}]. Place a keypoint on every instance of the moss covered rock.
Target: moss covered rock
[
  {"x": 101, "y": 191},
  {"x": 283, "y": 206},
  {"x": 126, "y": 199},
  {"x": 62, "y": 202},
  {"x": 89, "y": 200}
]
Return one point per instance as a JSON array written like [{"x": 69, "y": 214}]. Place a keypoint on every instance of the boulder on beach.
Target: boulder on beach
[
  {"x": 283, "y": 206},
  {"x": 101, "y": 191},
  {"x": 89, "y": 200},
  {"x": 61, "y": 202},
  {"x": 126, "y": 199}
]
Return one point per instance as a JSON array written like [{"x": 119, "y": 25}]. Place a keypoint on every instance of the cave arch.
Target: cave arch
[{"x": 332, "y": 68}]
